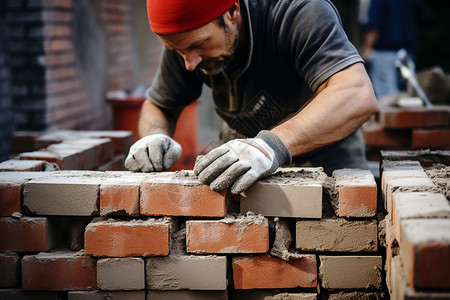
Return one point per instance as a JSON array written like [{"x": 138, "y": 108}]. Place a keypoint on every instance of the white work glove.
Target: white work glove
[
  {"x": 156, "y": 152},
  {"x": 239, "y": 163}
]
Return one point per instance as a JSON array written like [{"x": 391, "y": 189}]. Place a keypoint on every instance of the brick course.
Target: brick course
[{"x": 173, "y": 255}]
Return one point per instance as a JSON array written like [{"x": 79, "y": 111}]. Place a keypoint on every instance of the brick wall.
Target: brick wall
[
  {"x": 297, "y": 234},
  {"x": 59, "y": 58}
]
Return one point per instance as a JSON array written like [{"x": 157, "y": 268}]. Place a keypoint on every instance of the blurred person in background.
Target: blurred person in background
[
  {"x": 285, "y": 79},
  {"x": 391, "y": 26}
]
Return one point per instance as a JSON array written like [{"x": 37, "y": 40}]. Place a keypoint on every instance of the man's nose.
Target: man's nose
[{"x": 191, "y": 60}]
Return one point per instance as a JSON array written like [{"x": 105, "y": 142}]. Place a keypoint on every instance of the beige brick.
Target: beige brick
[
  {"x": 357, "y": 296},
  {"x": 187, "y": 272},
  {"x": 393, "y": 174},
  {"x": 350, "y": 272},
  {"x": 114, "y": 274},
  {"x": 417, "y": 205},
  {"x": 406, "y": 184},
  {"x": 106, "y": 295},
  {"x": 187, "y": 295},
  {"x": 65, "y": 193},
  {"x": 425, "y": 250},
  {"x": 336, "y": 235},
  {"x": 295, "y": 193}
]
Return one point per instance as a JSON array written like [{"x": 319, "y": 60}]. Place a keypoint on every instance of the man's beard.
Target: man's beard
[{"x": 214, "y": 66}]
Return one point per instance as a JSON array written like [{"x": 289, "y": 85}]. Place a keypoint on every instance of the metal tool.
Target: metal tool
[{"x": 407, "y": 69}]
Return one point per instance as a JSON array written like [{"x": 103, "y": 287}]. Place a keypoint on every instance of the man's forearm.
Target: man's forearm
[
  {"x": 154, "y": 119},
  {"x": 341, "y": 106}
]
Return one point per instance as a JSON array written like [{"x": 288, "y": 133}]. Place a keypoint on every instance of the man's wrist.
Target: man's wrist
[{"x": 282, "y": 153}]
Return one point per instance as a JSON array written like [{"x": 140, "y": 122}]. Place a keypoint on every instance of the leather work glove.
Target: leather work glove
[
  {"x": 240, "y": 162},
  {"x": 156, "y": 152}
]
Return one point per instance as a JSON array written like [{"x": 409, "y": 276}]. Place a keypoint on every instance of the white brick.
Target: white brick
[
  {"x": 295, "y": 193},
  {"x": 417, "y": 205},
  {"x": 187, "y": 272},
  {"x": 63, "y": 194},
  {"x": 351, "y": 272},
  {"x": 114, "y": 274},
  {"x": 337, "y": 235}
]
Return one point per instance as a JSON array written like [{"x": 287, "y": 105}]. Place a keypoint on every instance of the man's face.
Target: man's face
[{"x": 209, "y": 48}]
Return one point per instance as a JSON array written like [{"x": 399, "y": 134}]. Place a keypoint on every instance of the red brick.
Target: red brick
[
  {"x": 24, "y": 235},
  {"x": 42, "y": 155},
  {"x": 116, "y": 164},
  {"x": 17, "y": 165},
  {"x": 85, "y": 153},
  {"x": 10, "y": 198},
  {"x": 357, "y": 193},
  {"x": 119, "y": 198},
  {"x": 267, "y": 272},
  {"x": 24, "y": 141},
  {"x": 121, "y": 140},
  {"x": 9, "y": 269},
  {"x": 59, "y": 271},
  {"x": 377, "y": 136},
  {"x": 425, "y": 252},
  {"x": 437, "y": 138},
  {"x": 242, "y": 235},
  {"x": 125, "y": 239},
  {"x": 169, "y": 195},
  {"x": 11, "y": 184},
  {"x": 394, "y": 117}
]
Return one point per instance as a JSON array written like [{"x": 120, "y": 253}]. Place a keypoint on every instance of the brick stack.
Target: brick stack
[
  {"x": 70, "y": 150},
  {"x": 297, "y": 234},
  {"x": 90, "y": 235},
  {"x": 408, "y": 129},
  {"x": 417, "y": 224}
]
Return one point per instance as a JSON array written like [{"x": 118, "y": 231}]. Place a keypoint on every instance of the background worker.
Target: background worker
[
  {"x": 391, "y": 26},
  {"x": 284, "y": 78}
]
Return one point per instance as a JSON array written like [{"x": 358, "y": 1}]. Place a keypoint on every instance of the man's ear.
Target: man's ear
[{"x": 235, "y": 11}]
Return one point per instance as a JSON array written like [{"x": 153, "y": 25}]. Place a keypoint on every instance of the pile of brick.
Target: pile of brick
[
  {"x": 397, "y": 128},
  {"x": 298, "y": 234},
  {"x": 416, "y": 190},
  {"x": 69, "y": 150}
]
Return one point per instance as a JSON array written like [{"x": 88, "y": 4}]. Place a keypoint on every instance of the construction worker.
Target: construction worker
[{"x": 285, "y": 79}]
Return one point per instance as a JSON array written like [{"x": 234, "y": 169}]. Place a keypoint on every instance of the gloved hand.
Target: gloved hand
[
  {"x": 156, "y": 152},
  {"x": 239, "y": 163}
]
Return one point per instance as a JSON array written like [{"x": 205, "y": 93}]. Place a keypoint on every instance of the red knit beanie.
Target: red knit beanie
[{"x": 175, "y": 16}]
